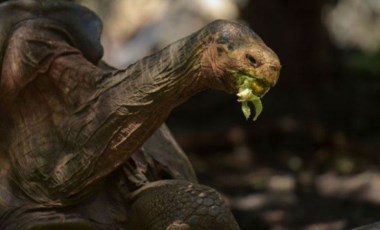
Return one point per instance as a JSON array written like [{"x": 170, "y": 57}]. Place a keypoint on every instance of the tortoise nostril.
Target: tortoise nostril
[
  {"x": 252, "y": 60},
  {"x": 274, "y": 68}
]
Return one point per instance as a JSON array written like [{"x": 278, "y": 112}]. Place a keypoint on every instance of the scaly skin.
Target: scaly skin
[
  {"x": 192, "y": 206},
  {"x": 70, "y": 125}
]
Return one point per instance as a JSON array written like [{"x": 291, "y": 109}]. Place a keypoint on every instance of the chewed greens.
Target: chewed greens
[{"x": 246, "y": 95}]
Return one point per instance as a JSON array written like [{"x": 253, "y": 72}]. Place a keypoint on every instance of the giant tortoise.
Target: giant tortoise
[{"x": 83, "y": 145}]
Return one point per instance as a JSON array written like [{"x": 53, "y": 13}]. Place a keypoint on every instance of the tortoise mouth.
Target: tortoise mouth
[
  {"x": 259, "y": 87},
  {"x": 256, "y": 84},
  {"x": 250, "y": 90}
]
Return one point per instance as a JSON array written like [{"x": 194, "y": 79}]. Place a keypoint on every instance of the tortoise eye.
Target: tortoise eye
[{"x": 252, "y": 60}]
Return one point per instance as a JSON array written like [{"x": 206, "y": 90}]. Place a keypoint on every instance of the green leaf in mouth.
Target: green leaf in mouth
[{"x": 246, "y": 95}]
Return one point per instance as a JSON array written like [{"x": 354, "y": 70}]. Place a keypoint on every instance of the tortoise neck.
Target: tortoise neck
[
  {"x": 143, "y": 95},
  {"x": 173, "y": 73}
]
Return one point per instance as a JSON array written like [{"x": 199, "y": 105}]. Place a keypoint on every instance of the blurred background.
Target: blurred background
[{"x": 311, "y": 160}]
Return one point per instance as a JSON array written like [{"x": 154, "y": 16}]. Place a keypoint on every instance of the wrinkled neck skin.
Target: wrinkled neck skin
[
  {"x": 174, "y": 73},
  {"x": 142, "y": 96},
  {"x": 158, "y": 83}
]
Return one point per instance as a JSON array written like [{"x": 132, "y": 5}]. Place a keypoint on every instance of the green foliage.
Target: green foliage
[{"x": 246, "y": 95}]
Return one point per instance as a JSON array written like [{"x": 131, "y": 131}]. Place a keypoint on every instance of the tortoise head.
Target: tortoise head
[{"x": 235, "y": 53}]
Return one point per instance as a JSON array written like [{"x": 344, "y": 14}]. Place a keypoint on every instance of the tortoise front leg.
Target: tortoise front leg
[{"x": 179, "y": 205}]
